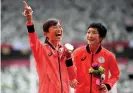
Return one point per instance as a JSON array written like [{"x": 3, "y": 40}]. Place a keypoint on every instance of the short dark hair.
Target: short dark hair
[
  {"x": 101, "y": 29},
  {"x": 48, "y": 23}
]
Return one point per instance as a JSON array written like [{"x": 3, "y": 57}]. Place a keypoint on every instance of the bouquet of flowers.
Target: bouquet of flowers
[{"x": 98, "y": 71}]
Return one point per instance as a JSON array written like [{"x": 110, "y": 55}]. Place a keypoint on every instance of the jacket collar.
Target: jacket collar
[
  {"x": 47, "y": 42},
  {"x": 88, "y": 49}
]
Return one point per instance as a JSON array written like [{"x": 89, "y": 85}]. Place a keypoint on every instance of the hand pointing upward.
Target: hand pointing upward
[{"x": 27, "y": 12}]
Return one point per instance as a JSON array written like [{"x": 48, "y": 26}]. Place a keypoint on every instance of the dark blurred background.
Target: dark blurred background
[{"x": 17, "y": 69}]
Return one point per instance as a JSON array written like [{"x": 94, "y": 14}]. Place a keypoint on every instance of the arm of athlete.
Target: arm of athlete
[
  {"x": 71, "y": 68},
  {"x": 35, "y": 43}
]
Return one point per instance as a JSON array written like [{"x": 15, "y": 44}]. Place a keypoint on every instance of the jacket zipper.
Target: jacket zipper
[
  {"x": 91, "y": 76},
  {"x": 60, "y": 73}
]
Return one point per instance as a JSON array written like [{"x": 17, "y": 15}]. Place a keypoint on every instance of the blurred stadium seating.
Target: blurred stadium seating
[{"x": 75, "y": 15}]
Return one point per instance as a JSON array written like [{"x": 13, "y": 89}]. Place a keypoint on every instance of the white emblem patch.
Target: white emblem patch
[{"x": 101, "y": 60}]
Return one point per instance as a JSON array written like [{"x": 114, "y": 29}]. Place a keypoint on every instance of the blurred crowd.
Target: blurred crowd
[
  {"x": 15, "y": 79},
  {"x": 75, "y": 15}
]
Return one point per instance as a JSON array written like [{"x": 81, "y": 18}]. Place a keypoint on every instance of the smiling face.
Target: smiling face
[
  {"x": 54, "y": 32},
  {"x": 93, "y": 36}
]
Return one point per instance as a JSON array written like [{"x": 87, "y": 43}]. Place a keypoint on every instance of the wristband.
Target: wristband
[
  {"x": 69, "y": 62},
  {"x": 31, "y": 29}
]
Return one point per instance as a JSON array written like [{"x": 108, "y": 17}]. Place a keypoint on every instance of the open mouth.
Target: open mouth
[
  {"x": 58, "y": 34},
  {"x": 91, "y": 40}
]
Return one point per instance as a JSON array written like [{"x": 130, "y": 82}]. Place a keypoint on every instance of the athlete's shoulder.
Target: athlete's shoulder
[
  {"x": 80, "y": 49},
  {"x": 108, "y": 52}
]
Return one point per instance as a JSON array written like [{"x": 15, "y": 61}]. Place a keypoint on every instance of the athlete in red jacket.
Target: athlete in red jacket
[
  {"x": 92, "y": 53},
  {"x": 53, "y": 61}
]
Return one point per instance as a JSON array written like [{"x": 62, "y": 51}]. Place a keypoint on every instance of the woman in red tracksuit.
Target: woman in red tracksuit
[
  {"x": 94, "y": 53},
  {"x": 53, "y": 62}
]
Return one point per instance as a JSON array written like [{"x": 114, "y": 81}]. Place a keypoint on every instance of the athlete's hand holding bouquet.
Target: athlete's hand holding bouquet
[{"x": 98, "y": 71}]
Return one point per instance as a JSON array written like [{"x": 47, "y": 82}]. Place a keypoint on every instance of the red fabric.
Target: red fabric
[
  {"x": 83, "y": 61},
  {"x": 48, "y": 67}
]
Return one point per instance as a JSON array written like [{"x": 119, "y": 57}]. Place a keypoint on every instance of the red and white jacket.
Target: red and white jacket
[
  {"x": 51, "y": 67},
  {"x": 83, "y": 59}
]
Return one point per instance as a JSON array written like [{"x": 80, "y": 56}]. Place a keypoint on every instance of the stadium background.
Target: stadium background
[{"x": 18, "y": 74}]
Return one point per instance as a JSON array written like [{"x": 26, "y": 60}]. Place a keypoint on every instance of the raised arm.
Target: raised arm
[{"x": 35, "y": 44}]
